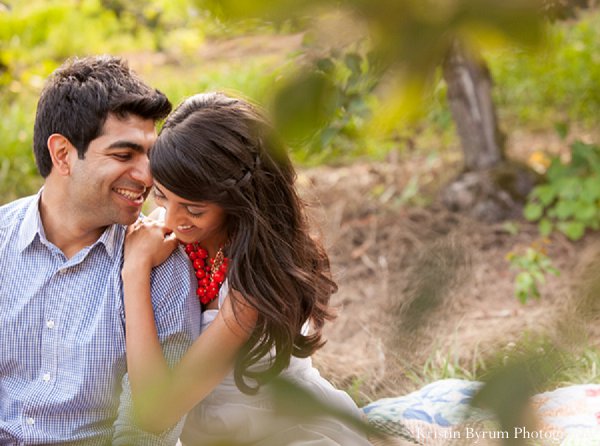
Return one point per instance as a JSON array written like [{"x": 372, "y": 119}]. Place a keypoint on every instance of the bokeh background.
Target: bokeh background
[{"x": 448, "y": 152}]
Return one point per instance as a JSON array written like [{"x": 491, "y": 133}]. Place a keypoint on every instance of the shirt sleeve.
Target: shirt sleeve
[{"x": 177, "y": 313}]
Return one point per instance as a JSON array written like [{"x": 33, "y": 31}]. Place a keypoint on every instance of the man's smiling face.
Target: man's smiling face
[{"x": 111, "y": 183}]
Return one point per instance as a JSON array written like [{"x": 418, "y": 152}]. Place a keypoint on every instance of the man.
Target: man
[{"x": 62, "y": 329}]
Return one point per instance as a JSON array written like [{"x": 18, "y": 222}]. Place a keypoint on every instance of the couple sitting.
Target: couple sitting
[{"x": 114, "y": 327}]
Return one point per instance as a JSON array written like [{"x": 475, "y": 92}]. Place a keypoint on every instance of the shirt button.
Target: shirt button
[
  {"x": 50, "y": 324},
  {"x": 46, "y": 377},
  {"x": 62, "y": 271},
  {"x": 30, "y": 421}
]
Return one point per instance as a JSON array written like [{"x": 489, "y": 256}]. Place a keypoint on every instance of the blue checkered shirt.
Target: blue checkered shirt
[{"x": 62, "y": 335}]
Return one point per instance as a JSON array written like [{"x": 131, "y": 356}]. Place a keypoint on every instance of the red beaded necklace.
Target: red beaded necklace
[{"x": 211, "y": 273}]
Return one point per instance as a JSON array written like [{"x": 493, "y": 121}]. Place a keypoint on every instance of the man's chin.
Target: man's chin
[{"x": 128, "y": 219}]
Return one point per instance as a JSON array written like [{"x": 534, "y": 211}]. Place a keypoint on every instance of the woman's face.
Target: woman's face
[{"x": 201, "y": 222}]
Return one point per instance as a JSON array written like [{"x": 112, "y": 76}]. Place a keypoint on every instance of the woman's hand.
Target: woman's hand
[{"x": 148, "y": 243}]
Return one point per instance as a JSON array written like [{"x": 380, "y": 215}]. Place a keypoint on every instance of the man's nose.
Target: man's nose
[{"x": 141, "y": 172}]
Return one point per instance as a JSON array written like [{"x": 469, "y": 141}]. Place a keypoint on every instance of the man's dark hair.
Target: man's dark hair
[{"x": 79, "y": 96}]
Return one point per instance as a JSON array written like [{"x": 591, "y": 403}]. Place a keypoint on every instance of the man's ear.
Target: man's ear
[{"x": 60, "y": 149}]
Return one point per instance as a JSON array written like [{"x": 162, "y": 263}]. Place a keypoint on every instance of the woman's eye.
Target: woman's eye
[
  {"x": 196, "y": 212},
  {"x": 157, "y": 195}
]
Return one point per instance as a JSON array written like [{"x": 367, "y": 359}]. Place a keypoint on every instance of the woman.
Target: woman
[{"x": 227, "y": 189}]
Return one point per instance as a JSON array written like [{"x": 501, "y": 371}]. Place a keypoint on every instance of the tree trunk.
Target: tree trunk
[
  {"x": 470, "y": 99},
  {"x": 490, "y": 187}
]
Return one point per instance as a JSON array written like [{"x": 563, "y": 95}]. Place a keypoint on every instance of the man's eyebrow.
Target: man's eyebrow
[{"x": 127, "y": 145}]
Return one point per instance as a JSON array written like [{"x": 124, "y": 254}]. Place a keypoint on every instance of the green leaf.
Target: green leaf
[
  {"x": 327, "y": 135},
  {"x": 524, "y": 280},
  {"x": 546, "y": 193},
  {"x": 562, "y": 128},
  {"x": 580, "y": 153},
  {"x": 591, "y": 189},
  {"x": 303, "y": 104},
  {"x": 569, "y": 188},
  {"x": 533, "y": 211},
  {"x": 585, "y": 212},
  {"x": 326, "y": 65},
  {"x": 556, "y": 171},
  {"x": 539, "y": 277},
  {"x": 510, "y": 227},
  {"x": 353, "y": 61},
  {"x": 565, "y": 209},
  {"x": 545, "y": 227},
  {"x": 552, "y": 270},
  {"x": 572, "y": 229}
]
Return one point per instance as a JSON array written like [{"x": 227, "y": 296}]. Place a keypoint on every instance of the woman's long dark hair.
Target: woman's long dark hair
[{"x": 220, "y": 149}]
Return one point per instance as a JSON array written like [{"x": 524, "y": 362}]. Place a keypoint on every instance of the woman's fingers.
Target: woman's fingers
[
  {"x": 156, "y": 214},
  {"x": 171, "y": 240},
  {"x": 147, "y": 232},
  {"x": 149, "y": 240}
]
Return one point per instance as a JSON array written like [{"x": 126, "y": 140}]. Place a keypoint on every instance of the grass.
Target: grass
[
  {"x": 578, "y": 365},
  {"x": 443, "y": 365}
]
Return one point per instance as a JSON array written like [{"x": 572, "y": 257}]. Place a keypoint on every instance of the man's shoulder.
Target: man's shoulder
[
  {"x": 173, "y": 273},
  {"x": 176, "y": 261},
  {"x": 174, "y": 295},
  {"x": 14, "y": 211}
]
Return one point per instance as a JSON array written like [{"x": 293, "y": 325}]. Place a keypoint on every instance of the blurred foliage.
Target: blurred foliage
[
  {"x": 533, "y": 267},
  {"x": 291, "y": 399},
  {"x": 18, "y": 174},
  {"x": 539, "y": 87},
  {"x": 569, "y": 199},
  {"x": 507, "y": 388},
  {"x": 408, "y": 39},
  {"x": 342, "y": 86},
  {"x": 36, "y": 36},
  {"x": 531, "y": 366},
  {"x": 439, "y": 268},
  {"x": 325, "y": 99}
]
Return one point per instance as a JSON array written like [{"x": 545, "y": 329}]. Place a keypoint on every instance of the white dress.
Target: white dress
[{"x": 228, "y": 416}]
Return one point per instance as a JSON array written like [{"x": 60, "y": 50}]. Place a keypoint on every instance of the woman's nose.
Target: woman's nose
[{"x": 171, "y": 217}]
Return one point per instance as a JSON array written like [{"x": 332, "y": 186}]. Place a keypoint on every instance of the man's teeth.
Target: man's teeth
[
  {"x": 130, "y": 195},
  {"x": 184, "y": 228}
]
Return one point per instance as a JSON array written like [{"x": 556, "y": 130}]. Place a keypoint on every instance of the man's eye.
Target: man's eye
[{"x": 122, "y": 156}]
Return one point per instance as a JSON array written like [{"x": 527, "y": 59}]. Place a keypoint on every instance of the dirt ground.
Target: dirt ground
[{"x": 386, "y": 254}]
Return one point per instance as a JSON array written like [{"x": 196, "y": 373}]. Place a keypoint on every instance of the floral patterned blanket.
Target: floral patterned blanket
[{"x": 440, "y": 414}]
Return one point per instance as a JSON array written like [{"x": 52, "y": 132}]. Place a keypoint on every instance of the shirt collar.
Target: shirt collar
[
  {"x": 111, "y": 238},
  {"x": 32, "y": 224}
]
